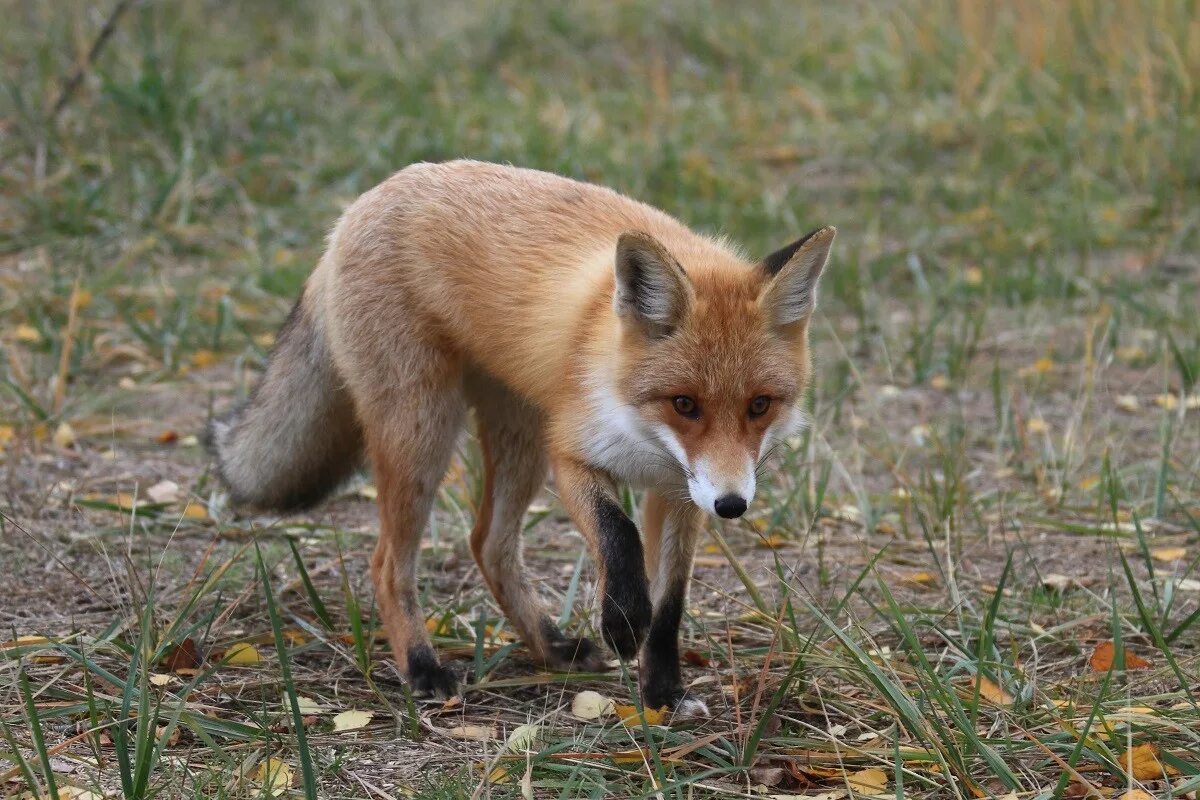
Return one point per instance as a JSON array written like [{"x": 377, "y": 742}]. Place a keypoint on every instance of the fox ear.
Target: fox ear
[
  {"x": 652, "y": 289},
  {"x": 791, "y": 294}
]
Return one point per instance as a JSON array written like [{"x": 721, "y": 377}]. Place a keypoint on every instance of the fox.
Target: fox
[{"x": 589, "y": 334}]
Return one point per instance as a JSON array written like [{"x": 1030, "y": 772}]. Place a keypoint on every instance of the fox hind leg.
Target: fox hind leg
[
  {"x": 515, "y": 468},
  {"x": 410, "y": 441}
]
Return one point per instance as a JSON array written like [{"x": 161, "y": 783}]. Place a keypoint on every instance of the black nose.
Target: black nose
[{"x": 731, "y": 506}]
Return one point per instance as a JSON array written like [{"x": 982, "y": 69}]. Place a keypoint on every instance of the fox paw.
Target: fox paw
[
  {"x": 429, "y": 678},
  {"x": 571, "y": 654},
  {"x": 681, "y": 702},
  {"x": 625, "y": 617}
]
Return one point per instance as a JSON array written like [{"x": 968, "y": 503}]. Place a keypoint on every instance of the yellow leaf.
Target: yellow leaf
[
  {"x": 203, "y": 358},
  {"x": 774, "y": 541},
  {"x": 939, "y": 382},
  {"x": 1105, "y": 655},
  {"x": 923, "y": 578},
  {"x": 1043, "y": 365},
  {"x": 1128, "y": 403},
  {"x": 591, "y": 705},
  {"x": 1168, "y": 553},
  {"x": 868, "y": 781},
  {"x": 159, "y": 679},
  {"x": 273, "y": 775},
  {"x": 475, "y": 733},
  {"x": 28, "y": 334},
  {"x": 630, "y": 717},
  {"x": 64, "y": 436},
  {"x": 973, "y": 276},
  {"x": 1143, "y": 764},
  {"x": 1168, "y": 401},
  {"x": 991, "y": 692},
  {"x": 195, "y": 511},
  {"x": 1135, "y": 794},
  {"x": 352, "y": 720},
  {"x": 1037, "y": 425},
  {"x": 242, "y": 655}
]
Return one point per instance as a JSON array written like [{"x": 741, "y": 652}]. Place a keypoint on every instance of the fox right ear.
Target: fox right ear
[
  {"x": 652, "y": 289},
  {"x": 791, "y": 294}
]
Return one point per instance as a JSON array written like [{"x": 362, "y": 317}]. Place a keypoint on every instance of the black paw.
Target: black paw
[
  {"x": 427, "y": 677},
  {"x": 625, "y": 616},
  {"x": 573, "y": 654},
  {"x": 680, "y": 701}
]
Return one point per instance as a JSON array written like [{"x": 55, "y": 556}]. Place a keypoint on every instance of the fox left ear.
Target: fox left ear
[{"x": 791, "y": 295}]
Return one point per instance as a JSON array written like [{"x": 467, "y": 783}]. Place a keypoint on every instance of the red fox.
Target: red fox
[{"x": 590, "y": 333}]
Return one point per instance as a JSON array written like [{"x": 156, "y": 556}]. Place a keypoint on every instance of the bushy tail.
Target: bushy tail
[{"x": 296, "y": 438}]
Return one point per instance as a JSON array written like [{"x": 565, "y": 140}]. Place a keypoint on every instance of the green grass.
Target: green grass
[{"x": 1004, "y": 449}]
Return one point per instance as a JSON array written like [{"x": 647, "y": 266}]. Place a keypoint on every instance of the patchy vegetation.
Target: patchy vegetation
[{"x": 975, "y": 576}]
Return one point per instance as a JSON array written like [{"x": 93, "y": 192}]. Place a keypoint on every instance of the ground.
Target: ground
[{"x": 976, "y": 575}]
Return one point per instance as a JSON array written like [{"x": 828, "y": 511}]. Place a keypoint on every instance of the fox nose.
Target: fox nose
[{"x": 730, "y": 506}]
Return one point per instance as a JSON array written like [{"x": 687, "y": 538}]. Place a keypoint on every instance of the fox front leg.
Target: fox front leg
[{"x": 590, "y": 498}]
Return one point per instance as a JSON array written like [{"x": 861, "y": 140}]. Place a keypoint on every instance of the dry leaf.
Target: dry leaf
[
  {"x": 306, "y": 705},
  {"x": 273, "y": 775},
  {"x": 1143, "y": 764},
  {"x": 352, "y": 720},
  {"x": 167, "y": 437},
  {"x": 1105, "y": 654},
  {"x": 1057, "y": 583},
  {"x": 27, "y": 333},
  {"x": 868, "y": 781},
  {"x": 630, "y": 717},
  {"x": 1167, "y": 401},
  {"x": 1167, "y": 554},
  {"x": 591, "y": 705},
  {"x": 923, "y": 578},
  {"x": 163, "y": 492},
  {"x": 64, "y": 436},
  {"x": 525, "y": 738},
  {"x": 476, "y": 733},
  {"x": 991, "y": 692},
  {"x": 203, "y": 358},
  {"x": 1135, "y": 794},
  {"x": 159, "y": 679},
  {"x": 183, "y": 656},
  {"x": 1043, "y": 365},
  {"x": 1037, "y": 425},
  {"x": 242, "y": 655},
  {"x": 774, "y": 541},
  {"x": 695, "y": 659},
  {"x": 195, "y": 511},
  {"x": 1128, "y": 403}
]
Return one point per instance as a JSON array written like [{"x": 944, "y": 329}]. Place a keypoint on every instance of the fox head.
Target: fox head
[{"x": 714, "y": 358}]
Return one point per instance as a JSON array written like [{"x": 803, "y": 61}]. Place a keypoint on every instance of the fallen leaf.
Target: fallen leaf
[
  {"x": 630, "y": 717},
  {"x": 306, "y": 704},
  {"x": 159, "y": 679},
  {"x": 1057, "y": 583},
  {"x": 203, "y": 358},
  {"x": 476, "y": 733},
  {"x": 1043, "y": 365},
  {"x": 163, "y": 492},
  {"x": 766, "y": 776},
  {"x": 1105, "y": 655},
  {"x": 991, "y": 692},
  {"x": 352, "y": 720},
  {"x": 695, "y": 659},
  {"x": 195, "y": 511},
  {"x": 182, "y": 656},
  {"x": 1168, "y": 553},
  {"x": 774, "y": 541},
  {"x": 1037, "y": 425},
  {"x": 27, "y": 333},
  {"x": 973, "y": 276},
  {"x": 64, "y": 436},
  {"x": 868, "y": 781},
  {"x": 1128, "y": 403},
  {"x": 273, "y": 775},
  {"x": 923, "y": 578},
  {"x": 525, "y": 738},
  {"x": 1135, "y": 794},
  {"x": 1167, "y": 401},
  {"x": 242, "y": 654},
  {"x": 591, "y": 705},
  {"x": 167, "y": 437},
  {"x": 1143, "y": 764}
]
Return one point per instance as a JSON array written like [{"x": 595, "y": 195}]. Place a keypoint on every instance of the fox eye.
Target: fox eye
[
  {"x": 685, "y": 406},
  {"x": 759, "y": 405}
]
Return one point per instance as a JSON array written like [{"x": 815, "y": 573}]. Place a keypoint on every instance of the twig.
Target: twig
[{"x": 106, "y": 31}]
